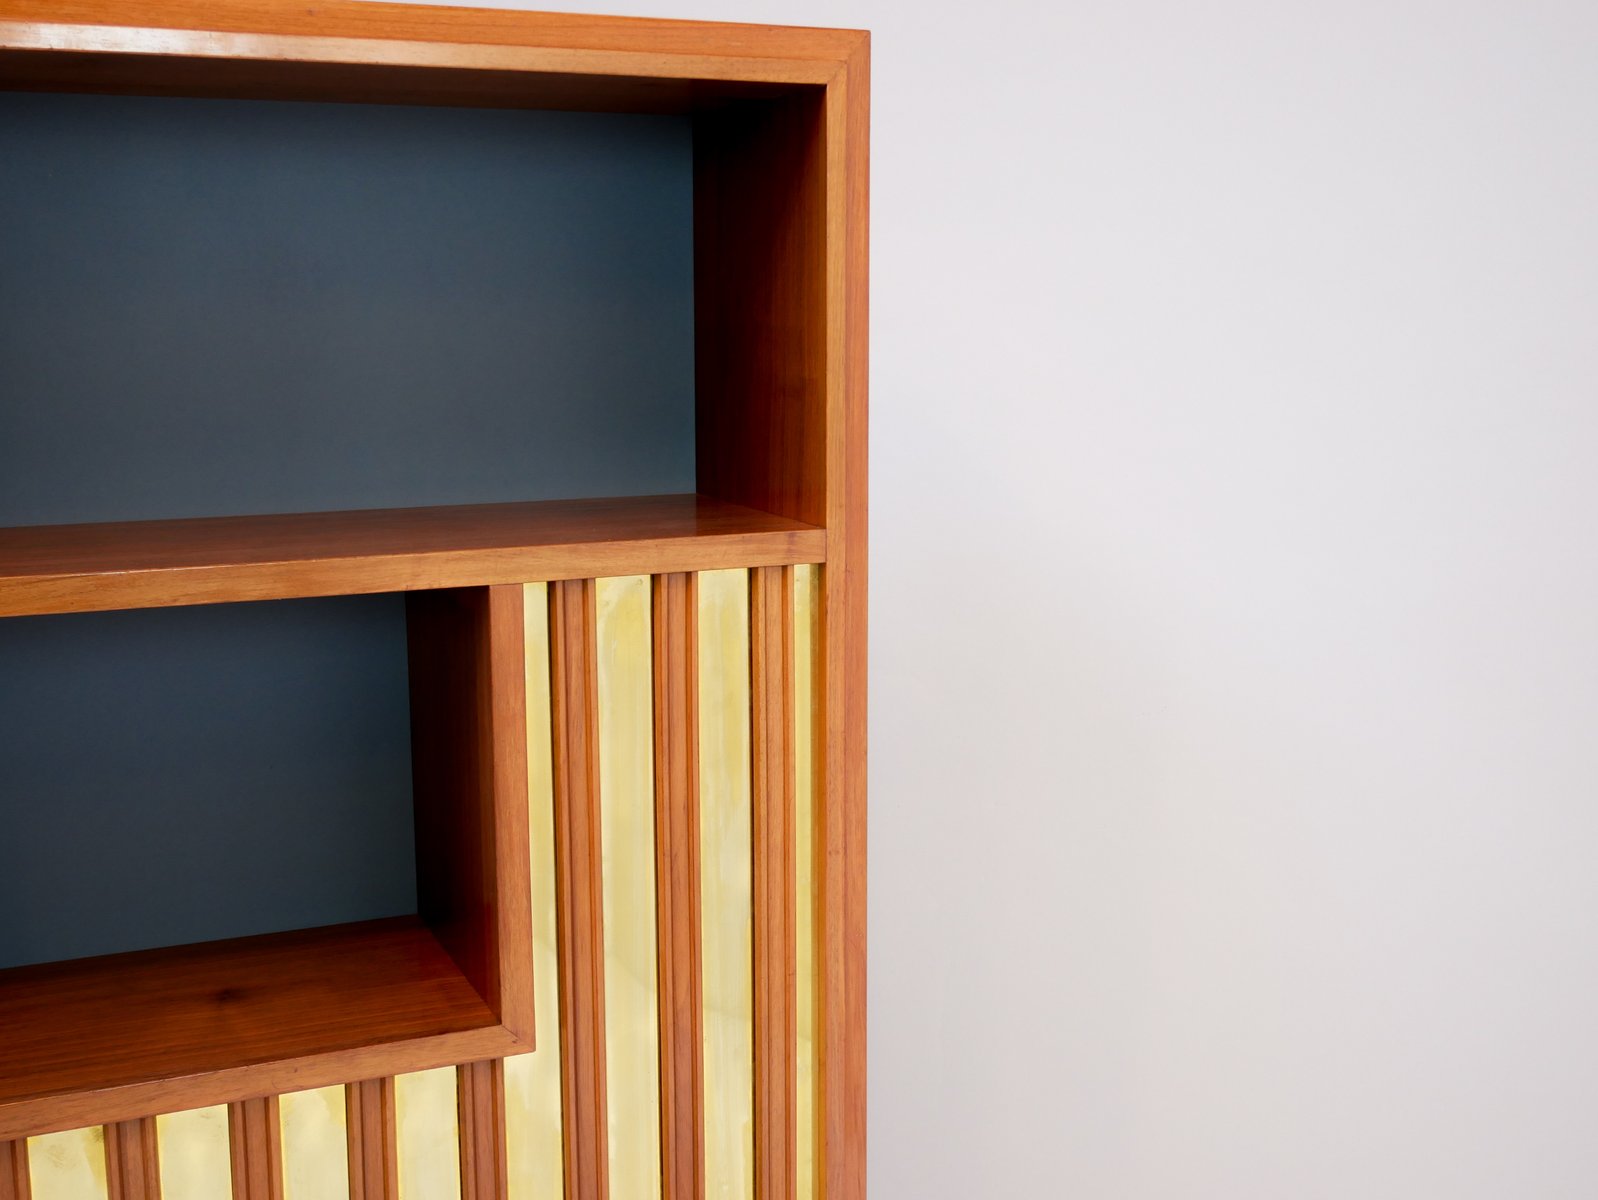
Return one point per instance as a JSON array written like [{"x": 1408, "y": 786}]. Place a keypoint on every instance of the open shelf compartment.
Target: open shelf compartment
[{"x": 103, "y": 1039}]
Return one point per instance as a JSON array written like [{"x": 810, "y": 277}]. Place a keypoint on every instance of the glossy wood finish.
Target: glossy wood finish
[
  {"x": 760, "y": 309},
  {"x": 132, "y": 1160},
  {"x": 256, "y": 1149},
  {"x": 337, "y": 50},
  {"x": 106, "y": 1039},
  {"x": 145, "y": 564},
  {"x": 469, "y": 778},
  {"x": 676, "y": 701},
  {"x": 484, "y": 1167},
  {"x": 771, "y": 744},
  {"x": 842, "y": 696},
  {"x": 370, "y": 1128},
  {"x": 781, "y": 176},
  {"x": 14, "y": 1181},
  {"x": 579, "y": 902}
]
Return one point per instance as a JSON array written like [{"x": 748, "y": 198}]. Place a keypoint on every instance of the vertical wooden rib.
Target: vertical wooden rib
[
  {"x": 481, "y": 1102},
  {"x": 132, "y": 1161},
  {"x": 771, "y": 746},
  {"x": 14, "y": 1183},
  {"x": 256, "y": 1149},
  {"x": 578, "y": 880},
  {"x": 676, "y": 675},
  {"x": 373, "y": 1146}
]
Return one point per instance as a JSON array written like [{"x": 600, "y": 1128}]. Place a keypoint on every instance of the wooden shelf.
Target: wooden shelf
[
  {"x": 149, "y": 564},
  {"x": 105, "y": 1039}
]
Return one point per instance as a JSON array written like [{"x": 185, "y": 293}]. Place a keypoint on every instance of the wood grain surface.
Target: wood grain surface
[
  {"x": 772, "y": 841},
  {"x": 579, "y": 900},
  {"x": 371, "y": 1131},
  {"x": 132, "y": 1160},
  {"x": 100, "y": 1040},
  {"x": 255, "y": 1148},
  {"x": 15, "y": 1183},
  {"x": 141, "y": 564},
  {"x": 469, "y": 780},
  {"x": 485, "y": 1167}
]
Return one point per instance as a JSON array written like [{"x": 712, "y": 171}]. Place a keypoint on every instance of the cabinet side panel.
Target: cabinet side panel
[
  {"x": 468, "y": 743},
  {"x": 760, "y": 228}
]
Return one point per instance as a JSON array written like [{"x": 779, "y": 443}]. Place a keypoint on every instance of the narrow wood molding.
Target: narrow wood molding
[
  {"x": 676, "y": 695},
  {"x": 841, "y": 688},
  {"x": 256, "y": 1149},
  {"x": 485, "y": 1171},
  {"x": 775, "y": 1001},
  {"x": 15, "y": 1183},
  {"x": 373, "y": 1147},
  {"x": 579, "y": 903},
  {"x": 132, "y": 1161}
]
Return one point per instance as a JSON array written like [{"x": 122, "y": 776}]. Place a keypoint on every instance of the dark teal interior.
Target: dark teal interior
[{"x": 216, "y": 307}]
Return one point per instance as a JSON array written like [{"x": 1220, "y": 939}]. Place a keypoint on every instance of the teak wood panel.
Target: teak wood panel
[
  {"x": 132, "y": 1160},
  {"x": 579, "y": 901},
  {"x": 371, "y": 1130},
  {"x": 14, "y": 1181},
  {"x": 469, "y": 750},
  {"x": 116, "y": 1038},
  {"x": 337, "y": 50},
  {"x": 255, "y": 1149},
  {"x": 481, "y": 1106},
  {"x": 146, "y": 564},
  {"x": 676, "y": 720}
]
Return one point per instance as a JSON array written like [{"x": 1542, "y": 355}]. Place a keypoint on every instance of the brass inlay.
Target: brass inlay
[
  {"x": 726, "y": 897},
  {"x": 68, "y": 1166},
  {"x": 427, "y": 1135},
  {"x": 311, "y": 1126},
  {"x": 192, "y": 1148},
  {"x": 532, "y": 1081},
  {"x": 627, "y": 840}
]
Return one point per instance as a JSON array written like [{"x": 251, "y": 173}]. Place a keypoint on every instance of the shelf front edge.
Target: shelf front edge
[
  {"x": 34, "y": 1115},
  {"x": 214, "y": 571}
]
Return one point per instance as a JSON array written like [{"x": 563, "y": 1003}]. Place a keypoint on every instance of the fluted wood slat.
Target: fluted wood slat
[
  {"x": 578, "y": 874},
  {"x": 676, "y": 667},
  {"x": 256, "y": 1149},
  {"x": 481, "y": 1091},
  {"x": 771, "y": 745},
  {"x": 132, "y": 1161},
  {"x": 373, "y": 1147},
  {"x": 14, "y": 1182}
]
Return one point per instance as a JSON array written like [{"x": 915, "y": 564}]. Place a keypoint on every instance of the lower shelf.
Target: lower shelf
[{"x": 106, "y": 1039}]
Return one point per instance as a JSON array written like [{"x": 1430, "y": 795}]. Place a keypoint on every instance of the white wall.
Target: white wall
[{"x": 1235, "y": 663}]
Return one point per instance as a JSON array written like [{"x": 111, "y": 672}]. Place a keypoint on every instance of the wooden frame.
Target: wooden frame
[{"x": 781, "y": 121}]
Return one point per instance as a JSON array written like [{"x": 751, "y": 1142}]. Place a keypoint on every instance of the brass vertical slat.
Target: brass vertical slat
[
  {"x": 132, "y": 1160},
  {"x": 676, "y": 675},
  {"x": 14, "y": 1181},
  {"x": 373, "y": 1143},
  {"x": 70, "y": 1165},
  {"x": 480, "y": 1087},
  {"x": 578, "y": 881},
  {"x": 772, "y": 766},
  {"x": 255, "y": 1147},
  {"x": 534, "y": 1124}
]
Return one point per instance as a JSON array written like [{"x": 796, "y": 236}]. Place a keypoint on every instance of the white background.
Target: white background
[{"x": 1235, "y": 605}]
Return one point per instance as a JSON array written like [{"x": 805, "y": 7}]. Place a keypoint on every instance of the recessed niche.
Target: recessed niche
[{"x": 225, "y": 307}]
